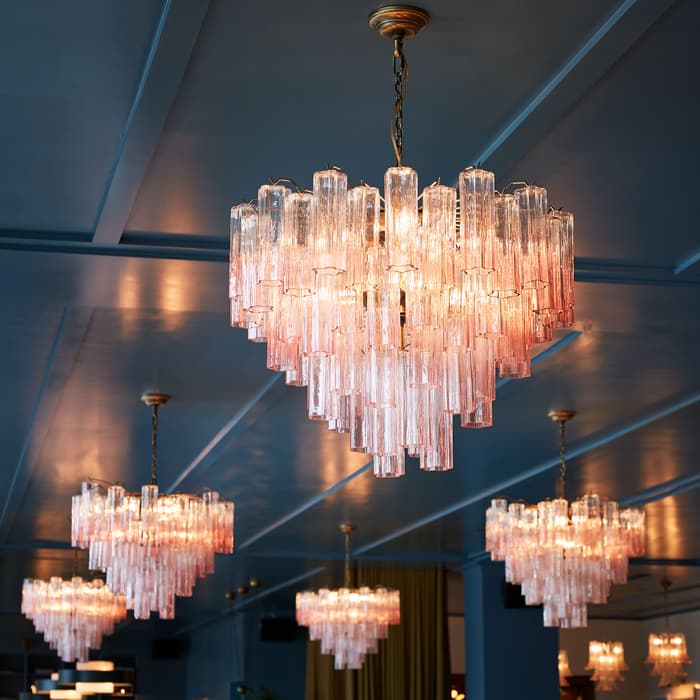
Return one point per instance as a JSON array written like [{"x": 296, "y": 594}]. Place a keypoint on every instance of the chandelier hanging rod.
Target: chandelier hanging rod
[
  {"x": 398, "y": 23},
  {"x": 347, "y": 529},
  {"x": 666, "y": 583},
  {"x": 154, "y": 401},
  {"x": 562, "y": 416}
]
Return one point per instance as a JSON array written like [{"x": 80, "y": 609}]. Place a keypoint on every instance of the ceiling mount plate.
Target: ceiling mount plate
[
  {"x": 561, "y": 415},
  {"x": 347, "y": 528},
  {"x": 399, "y": 20},
  {"x": 154, "y": 399}
]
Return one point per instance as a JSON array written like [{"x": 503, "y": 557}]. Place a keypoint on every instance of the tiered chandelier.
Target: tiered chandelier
[
  {"x": 348, "y": 621},
  {"x": 397, "y": 313},
  {"x": 72, "y": 615},
  {"x": 152, "y": 546},
  {"x": 607, "y": 661},
  {"x": 667, "y": 650},
  {"x": 564, "y": 555}
]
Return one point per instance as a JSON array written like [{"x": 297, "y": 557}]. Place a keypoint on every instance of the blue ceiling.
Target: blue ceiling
[{"x": 130, "y": 127}]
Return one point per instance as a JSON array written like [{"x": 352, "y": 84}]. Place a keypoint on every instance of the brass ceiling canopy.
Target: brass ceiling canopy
[
  {"x": 403, "y": 21},
  {"x": 561, "y": 415},
  {"x": 347, "y": 528},
  {"x": 154, "y": 399}
]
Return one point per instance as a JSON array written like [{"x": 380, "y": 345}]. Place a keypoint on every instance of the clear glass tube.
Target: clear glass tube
[
  {"x": 477, "y": 214},
  {"x": 401, "y": 218},
  {"x": 329, "y": 216}
]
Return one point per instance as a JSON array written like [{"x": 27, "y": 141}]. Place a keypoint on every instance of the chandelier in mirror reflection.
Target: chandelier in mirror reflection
[
  {"x": 152, "y": 546},
  {"x": 72, "y": 615},
  {"x": 564, "y": 555},
  {"x": 668, "y": 652},
  {"x": 607, "y": 661},
  {"x": 397, "y": 313}
]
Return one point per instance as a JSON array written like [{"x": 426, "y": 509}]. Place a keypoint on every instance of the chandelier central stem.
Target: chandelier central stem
[
  {"x": 400, "y": 88},
  {"x": 154, "y": 445},
  {"x": 562, "y": 459}
]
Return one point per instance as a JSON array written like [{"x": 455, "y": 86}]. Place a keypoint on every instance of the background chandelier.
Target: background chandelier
[
  {"x": 152, "y": 546},
  {"x": 607, "y": 661},
  {"x": 564, "y": 555},
  {"x": 397, "y": 313},
  {"x": 97, "y": 678},
  {"x": 667, "y": 650},
  {"x": 72, "y": 615},
  {"x": 348, "y": 621},
  {"x": 563, "y": 667}
]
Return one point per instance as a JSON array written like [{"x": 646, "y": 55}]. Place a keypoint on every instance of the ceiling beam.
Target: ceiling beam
[
  {"x": 212, "y": 250},
  {"x": 171, "y": 46},
  {"x": 589, "y": 445},
  {"x": 244, "y": 417},
  {"x": 588, "y": 64},
  {"x": 68, "y": 340},
  {"x": 686, "y": 262}
]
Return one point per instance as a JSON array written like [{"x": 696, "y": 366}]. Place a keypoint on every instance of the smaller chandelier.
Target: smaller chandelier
[
  {"x": 348, "y": 621},
  {"x": 72, "y": 615},
  {"x": 564, "y": 555},
  {"x": 563, "y": 667},
  {"x": 607, "y": 661},
  {"x": 152, "y": 546},
  {"x": 667, "y": 650}
]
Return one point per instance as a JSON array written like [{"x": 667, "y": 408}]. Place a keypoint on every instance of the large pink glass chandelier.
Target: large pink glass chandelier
[
  {"x": 668, "y": 652},
  {"x": 348, "y": 621},
  {"x": 152, "y": 546},
  {"x": 72, "y": 615},
  {"x": 607, "y": 661},
  {"x": 397, "y": 313},
  {"x": 564, "y": 555}
]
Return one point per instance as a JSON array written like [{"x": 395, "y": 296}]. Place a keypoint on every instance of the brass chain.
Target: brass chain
[
  {"x": 562, "y": 457},
  {"x": 400, "y": 86}
]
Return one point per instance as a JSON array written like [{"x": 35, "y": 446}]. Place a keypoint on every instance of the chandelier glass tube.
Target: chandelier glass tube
[
  {"x": 398, "y": 312},
  {"x": 152, "y": 546},
  {"x": 668, "y": 653},
  {"x": 564, "y": 555},
  {"x": 348, "y": 621},
  {"x": 607, "y": 661},
  {"x": 72, "y": 615}
]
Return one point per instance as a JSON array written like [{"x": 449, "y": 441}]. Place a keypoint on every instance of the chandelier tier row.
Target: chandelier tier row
[
  {"x": 152, "y": 546},
  {"x": 72, "y": 615},
  {"x": 348, "y": 621},
  {"x": 607, "y": 661},
  {"x": 398, "y": 317}
]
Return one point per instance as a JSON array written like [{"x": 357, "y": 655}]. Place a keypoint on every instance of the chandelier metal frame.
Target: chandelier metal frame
[
  {"x": 564, "y": 555},
  {"x": 348, "y": 621},
  {"x": 152, "y": 546},
  {"x": 398, "y": 312}
]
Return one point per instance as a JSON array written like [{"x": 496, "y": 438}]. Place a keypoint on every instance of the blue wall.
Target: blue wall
[{"x": 214, "y": 662}]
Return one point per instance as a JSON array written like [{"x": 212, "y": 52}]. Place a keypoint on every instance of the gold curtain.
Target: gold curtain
[{"x": 412, "y": 664}]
